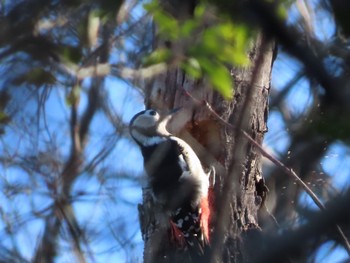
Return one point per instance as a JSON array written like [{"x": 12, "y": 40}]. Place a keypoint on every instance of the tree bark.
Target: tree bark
[{"x": 240, "y": 187}]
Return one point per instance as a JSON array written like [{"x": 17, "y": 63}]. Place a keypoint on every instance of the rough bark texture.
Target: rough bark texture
[{"x": 240, "y": 188}]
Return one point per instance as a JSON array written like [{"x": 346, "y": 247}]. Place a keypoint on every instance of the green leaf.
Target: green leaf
[
  {"x": 73, "y": 97},
  {"x": 219, "y": 76},
  {"x": 282, "y": 11},
  {"x": 157, "y": 56},
  {"x": 168, "y": 26},
  {"x": 188, "y": 27},
  {"x": 192, "y": 67},
  {"x": 199, "y": 10},
  {"x": 226, "y": 43},
  {"x": 151, "y": 6}
]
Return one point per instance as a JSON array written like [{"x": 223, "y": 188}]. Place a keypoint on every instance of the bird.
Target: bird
[{"x": 177, "y": 179}]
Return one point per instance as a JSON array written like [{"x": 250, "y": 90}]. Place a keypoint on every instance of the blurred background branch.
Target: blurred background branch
[{"x": 74, "y": 72}]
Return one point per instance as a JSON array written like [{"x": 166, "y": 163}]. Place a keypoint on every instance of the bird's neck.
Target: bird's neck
[{"x": 147, "y": 140}]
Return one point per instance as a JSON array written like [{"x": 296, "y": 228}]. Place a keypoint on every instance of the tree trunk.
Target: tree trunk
[{"x": 239, "y": 187}]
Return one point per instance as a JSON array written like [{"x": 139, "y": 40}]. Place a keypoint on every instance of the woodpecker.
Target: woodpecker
[{"x": 177, "y": 180}]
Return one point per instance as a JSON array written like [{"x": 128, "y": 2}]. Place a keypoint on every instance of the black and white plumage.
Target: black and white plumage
[{"x": 175, "y": 174}]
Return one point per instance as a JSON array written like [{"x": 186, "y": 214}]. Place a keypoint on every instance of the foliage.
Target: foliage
[
  {"x": 62, "y": 133},
  {"x": 202, "y": 45}
]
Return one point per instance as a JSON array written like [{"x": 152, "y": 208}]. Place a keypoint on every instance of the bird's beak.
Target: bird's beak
[
  {"x": 170, "y": 114},
  {"x": 167, "y": 117}
]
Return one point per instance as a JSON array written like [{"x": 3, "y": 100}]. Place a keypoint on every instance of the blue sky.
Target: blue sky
[{"x": 93, "y": 207}]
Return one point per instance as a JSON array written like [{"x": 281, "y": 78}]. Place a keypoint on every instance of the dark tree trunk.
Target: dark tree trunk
[{"x": 239, "y": 188}]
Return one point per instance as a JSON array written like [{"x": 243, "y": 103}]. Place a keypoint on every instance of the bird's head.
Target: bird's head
[{"x": 149, "y": 127}]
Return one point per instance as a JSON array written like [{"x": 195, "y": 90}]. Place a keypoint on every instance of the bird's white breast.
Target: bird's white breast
[{"x": 146, "y": 140}]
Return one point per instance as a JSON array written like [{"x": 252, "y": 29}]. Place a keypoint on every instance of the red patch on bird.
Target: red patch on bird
[
  {"x": 205, "y": 217},
  {"x": 176, "y": 236}
]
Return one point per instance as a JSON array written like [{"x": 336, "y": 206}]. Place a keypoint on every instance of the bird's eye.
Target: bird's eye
[{"x": 152, "y": 112}]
